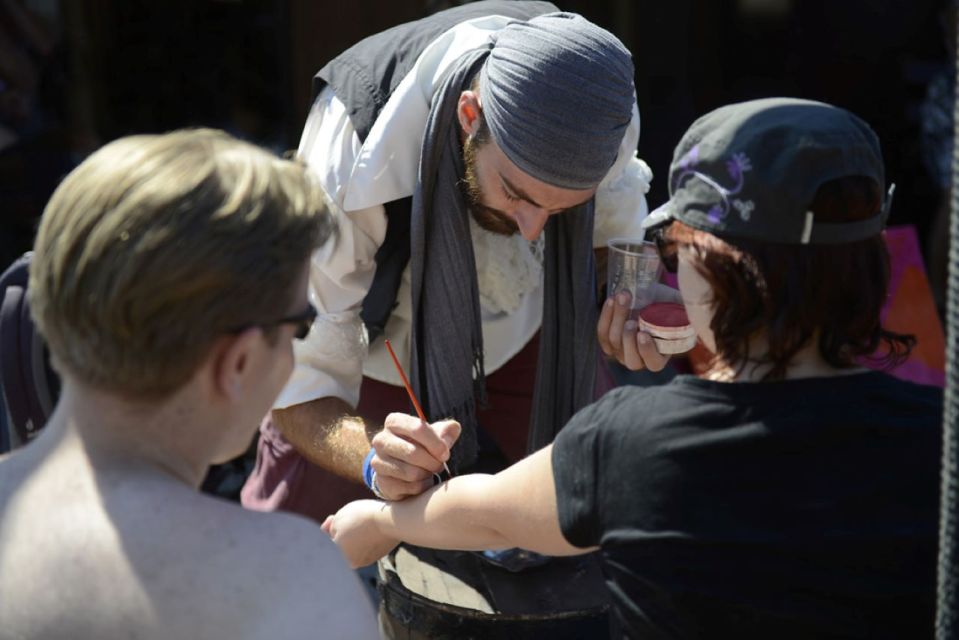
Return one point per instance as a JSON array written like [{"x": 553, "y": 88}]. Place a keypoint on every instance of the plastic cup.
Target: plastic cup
[{"x": 634, "y": 266}]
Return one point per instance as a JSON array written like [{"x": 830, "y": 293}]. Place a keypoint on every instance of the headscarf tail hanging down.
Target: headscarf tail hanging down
[
  {"x": 447, "y": 339},
  {"x": 557, "y": 95}
]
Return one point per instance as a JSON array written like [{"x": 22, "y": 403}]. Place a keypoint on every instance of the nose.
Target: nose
[{"x": 530, "y": 220}]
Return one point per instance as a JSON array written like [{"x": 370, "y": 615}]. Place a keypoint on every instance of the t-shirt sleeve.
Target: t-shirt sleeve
[
  {"x": 578, "y": 465},
  {"x": 574, "y": 474},
  {"x": 600, "y": 459}
]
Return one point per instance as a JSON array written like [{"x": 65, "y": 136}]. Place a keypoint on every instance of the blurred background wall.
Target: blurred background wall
[{"x": 77, "y": 73}]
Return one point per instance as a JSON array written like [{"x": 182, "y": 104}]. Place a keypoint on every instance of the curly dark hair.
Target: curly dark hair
[{"x": 797, "y": 293}]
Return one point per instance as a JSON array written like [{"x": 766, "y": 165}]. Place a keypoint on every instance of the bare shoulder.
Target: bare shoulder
[
  {"x": 153, "y": 559},
  {"x": 300, "y": 581}
]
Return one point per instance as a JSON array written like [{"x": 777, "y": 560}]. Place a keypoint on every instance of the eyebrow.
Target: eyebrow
[{"x": 522, "y": 195}]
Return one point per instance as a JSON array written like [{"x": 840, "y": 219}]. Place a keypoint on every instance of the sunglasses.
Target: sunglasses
[
  {"x": 666, "y": 249},
  {"x": 303, "y": 321}
]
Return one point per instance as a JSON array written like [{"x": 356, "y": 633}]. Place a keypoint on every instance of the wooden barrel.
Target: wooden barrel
[{"x": 432, "y": 594}]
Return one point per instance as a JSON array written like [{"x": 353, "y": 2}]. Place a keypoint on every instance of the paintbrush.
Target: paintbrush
[{"x": 409, "y": 390}]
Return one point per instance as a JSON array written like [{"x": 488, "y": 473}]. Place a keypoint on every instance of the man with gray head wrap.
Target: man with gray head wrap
[
  {"x": 466, "y": 157},
  {"x": 558, "y": 96}
]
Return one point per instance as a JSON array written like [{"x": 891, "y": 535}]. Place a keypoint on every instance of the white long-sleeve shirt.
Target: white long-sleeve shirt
[{"x": 359, "y": 177}]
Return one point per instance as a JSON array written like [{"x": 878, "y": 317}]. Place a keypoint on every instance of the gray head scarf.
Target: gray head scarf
[
  {"x": 557, "y": 93},
  {"x": 557, "y": 97}
]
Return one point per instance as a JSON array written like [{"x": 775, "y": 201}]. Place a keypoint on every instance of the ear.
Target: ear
[
  {"x": 468, "y": 111},
  {"x": 232, "y": 360}
]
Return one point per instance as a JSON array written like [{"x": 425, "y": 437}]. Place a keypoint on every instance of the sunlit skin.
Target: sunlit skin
[
  {"x": 696, "y": 297},
  {"x": 508, "y": 192}
]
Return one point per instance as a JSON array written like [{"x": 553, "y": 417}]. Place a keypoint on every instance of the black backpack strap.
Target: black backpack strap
[
  {"x": 25, "y": 375},
  {"x": 13, "y": 289},
  {"x": 11, "y": 385},
  {"x": 31, "y": 360},
  {"x": 391, "y": 260}
]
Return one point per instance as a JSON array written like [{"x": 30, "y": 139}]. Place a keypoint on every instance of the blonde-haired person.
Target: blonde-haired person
[
  {"x": 169, "y": 280},
  {"x": 790, "y": 494}
]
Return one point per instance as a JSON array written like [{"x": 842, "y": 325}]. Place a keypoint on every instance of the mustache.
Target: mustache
[{"x": 493, "y": 220}]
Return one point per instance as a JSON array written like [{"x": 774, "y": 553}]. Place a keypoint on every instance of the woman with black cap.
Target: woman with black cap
[{"x": 790, "y": 492}]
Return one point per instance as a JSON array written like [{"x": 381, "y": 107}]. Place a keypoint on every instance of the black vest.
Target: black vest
[{"x": 363, "y": 78}]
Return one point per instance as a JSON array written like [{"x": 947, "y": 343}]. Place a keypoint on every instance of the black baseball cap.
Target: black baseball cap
[{"x": 752, "y": 169}]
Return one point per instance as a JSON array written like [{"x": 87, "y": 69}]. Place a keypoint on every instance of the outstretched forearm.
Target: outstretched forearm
[
  {"x": 514, "y": 508},
  {"x": 327, "y": 433},
  {"x": 454, "y": 515}
]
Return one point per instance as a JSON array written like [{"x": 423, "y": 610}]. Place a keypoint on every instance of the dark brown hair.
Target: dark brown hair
[{"x": 831, "y": 293}]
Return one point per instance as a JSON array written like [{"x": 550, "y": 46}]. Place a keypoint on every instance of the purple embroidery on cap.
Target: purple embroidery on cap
[
  {"x": 736, "y": 167},
  {"x": 691, "y": 159},
  {"x": 715, "y": 214}
]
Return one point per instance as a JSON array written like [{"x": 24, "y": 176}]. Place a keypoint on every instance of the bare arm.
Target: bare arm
[
  {"x": 408, "y": 452},
  {"x": 327, "y": 433},
  {"x": 514, "y": 508}
]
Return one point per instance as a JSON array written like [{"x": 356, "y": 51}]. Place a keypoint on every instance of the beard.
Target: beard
[{"x": 487, "y": 218}]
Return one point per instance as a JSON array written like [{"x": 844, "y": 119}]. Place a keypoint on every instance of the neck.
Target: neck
[
  {"x": 806, "y": 363},
  {"x": 160, "y": 439}
]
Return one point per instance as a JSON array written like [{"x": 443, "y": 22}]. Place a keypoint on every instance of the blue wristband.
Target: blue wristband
[{"x": 368, "y": 469}]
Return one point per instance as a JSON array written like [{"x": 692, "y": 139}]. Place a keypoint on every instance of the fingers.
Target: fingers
[
  {"x": 393, "y": 452},
  {"x": 602, "y": 326},
  {"x": 631, "y": 359},
  {"x": 620, "y": 314},
  {"x": 396, "y": 489},
  {"x": 409, "y": 452},
  {"x": 639, "y": 350},
  {"x": 610, "y": 326},
  {"x": 386, "y": 466},
  {"x": 417, "y": 432},
  {"x": 654, "y": 360},
  {"x": 396, "y": 479},
  {"x": 448, "y": 431},
  {"x": 327, "y": 526}
]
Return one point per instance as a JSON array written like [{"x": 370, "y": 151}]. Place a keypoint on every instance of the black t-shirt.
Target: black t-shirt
[{"x": 797, "y": 509}]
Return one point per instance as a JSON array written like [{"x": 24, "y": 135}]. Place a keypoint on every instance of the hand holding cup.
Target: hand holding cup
[{"x": 633, "y": 285}]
